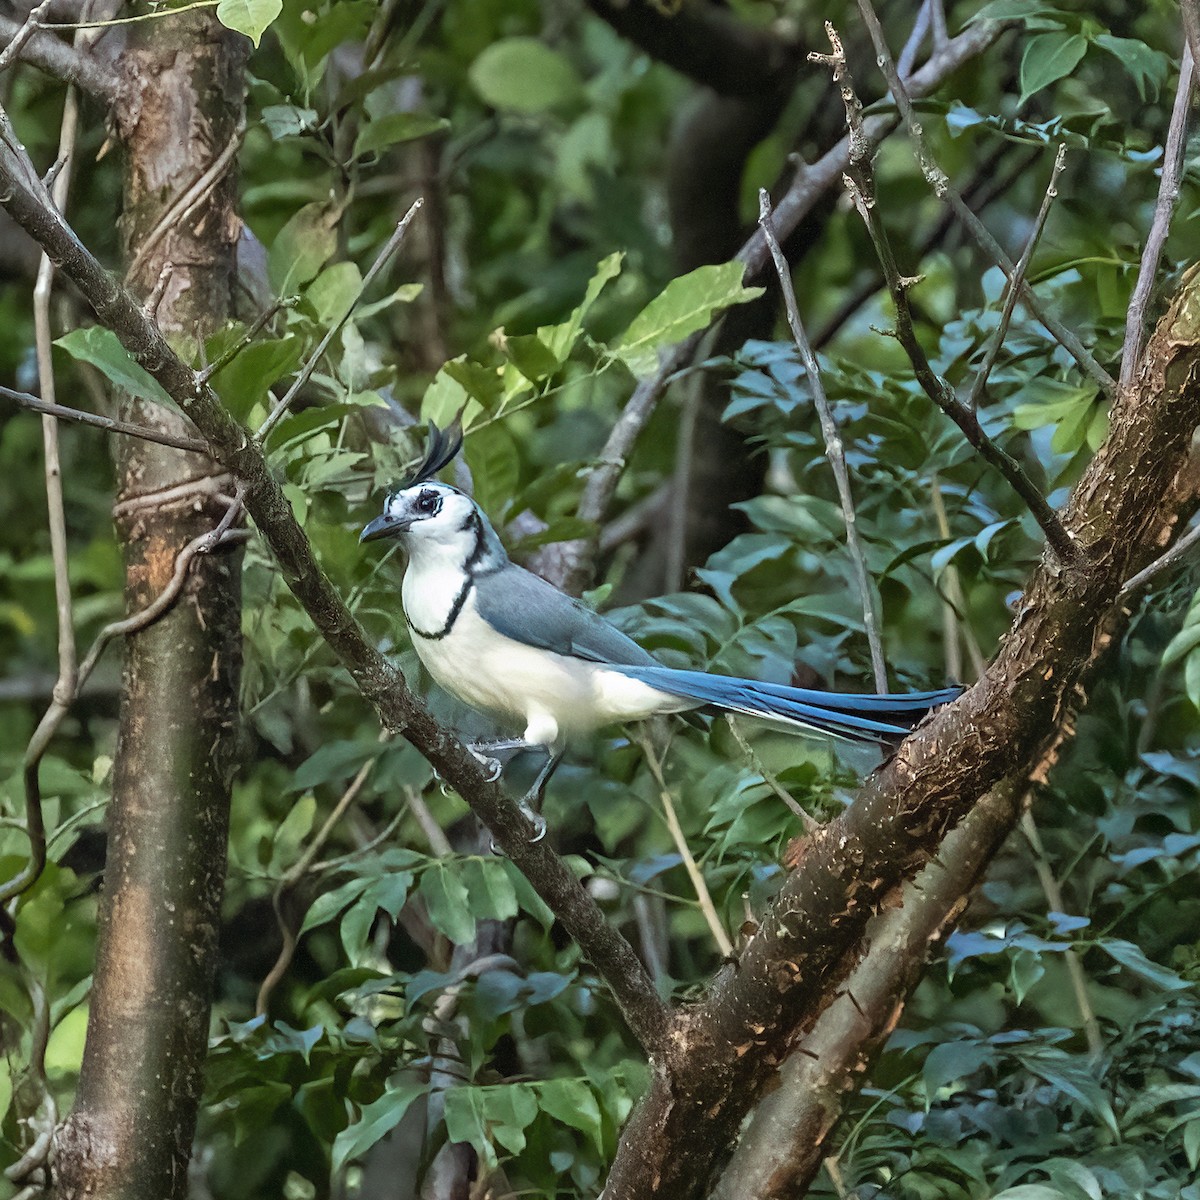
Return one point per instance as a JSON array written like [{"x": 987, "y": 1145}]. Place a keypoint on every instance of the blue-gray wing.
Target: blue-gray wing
[{"x": 521, "y": 606}]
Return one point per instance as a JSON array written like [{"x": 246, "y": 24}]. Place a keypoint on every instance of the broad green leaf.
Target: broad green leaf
[
  {"x": 449, "y": 905},
  {"x": 952, "y": 1061},
  {"x": 333, "y": 291},
  {"x": 375, "y": 1120},
  {"x": 1132, "y": 958},
  {"x": 560, "y": 339},
  {"x": 1146, "y": 67},
  {"x": 293, "y": 829},
  {"x": 245, "y": 382},
  {"x": 484, "y": 1115},
  {"x": 1047, "y": 58},
  {"x": 394, "y": 128},
  {"x": 523, "y": 75},
  {"x": 490, "y": 889},
  {"x": 1031, "y": 1191},
  {"x": 685, "y": 305},
  {"x": 573, "y": 1102},
  {"x": 329, "y": 904},
  {"x": 302, "y": 247},
  {"x": 492, "y": 456},
  {"x": 100, "y": 348},
  {"x": 250, "y": 17}
]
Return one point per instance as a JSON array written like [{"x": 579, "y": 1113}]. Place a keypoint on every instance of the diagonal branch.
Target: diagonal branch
[
  {"x": 860, "y": 179},
  {"x": 381, "y": 684},
  {"x": 52, "y": 55}
]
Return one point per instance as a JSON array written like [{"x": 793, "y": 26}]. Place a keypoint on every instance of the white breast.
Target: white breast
[{"x": 550, "y": 695}]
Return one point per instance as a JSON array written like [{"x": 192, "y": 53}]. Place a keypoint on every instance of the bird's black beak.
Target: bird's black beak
[{"x": 383, "y": 526}]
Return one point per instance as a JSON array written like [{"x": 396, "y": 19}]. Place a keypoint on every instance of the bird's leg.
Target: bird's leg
[
  {"x": 533, "y": 797},
  {"x": 485, "y": 752}
]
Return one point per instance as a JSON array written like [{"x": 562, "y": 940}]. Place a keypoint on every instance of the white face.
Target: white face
[{"x": 425, "y": 515}]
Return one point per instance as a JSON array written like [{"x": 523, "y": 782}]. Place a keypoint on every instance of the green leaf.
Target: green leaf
[
  {"x": 1047, "y": 58},
  {"x": 245, "y": 381},
  {"x": 394, "y": 128},
  {"x": 573, "y": 1102},
  {"x": 483, "y": 1115},
  {"x": 560, "y": 339},
  {"x": 250, "y": 17},
  {"x": 1031, "y": 1191},
  {"x": 302, "y": 247},
  {"x": 449, "y": 906},
  {"x": 952, "y": 1061},
  {"x": 1146, "y": 67},
  {"x": 329, "y": 904},
  {"x": 523, "y": 75},
  {"x": 100, "y": 348},
  {"x": 532, "y": 357},
  {"x": 333, "y": 291},
  {"x": 685, "y": 305},
  {"x": 1132, "y": 958},
  {"x": 491, "y": 892},
  {"x": 288, "y": 120},
  {"x": 374, "y": 1120}
]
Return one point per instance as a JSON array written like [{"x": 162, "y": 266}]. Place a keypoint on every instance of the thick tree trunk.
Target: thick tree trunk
[{"x": 131, "y": 1130}]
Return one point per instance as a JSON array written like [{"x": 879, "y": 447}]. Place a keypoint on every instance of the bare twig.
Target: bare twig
[
  {"x": 109, "y": 424},
  {"x": 689, "y": 863},
  {"x": 860, "y": 180},
  {"x": 954, "y": 604},
  {"x": 833, "y": 445},
  {"x": 390, "y": 247},
  {"x": 259, "y": 324},
  {"x": 23, "y": 33},
  {"x": 1177, "y": 553},
  {"x": 810, "y": 185},
  {"x": 946, "y": 191},
  {"x": 1014, "y": 284},
  {"x": 288, "y": 929},
  {"x": 757, "y": 765},
  {"x": 51, "y": 54},
  {"x": 1164, "y": 210}
]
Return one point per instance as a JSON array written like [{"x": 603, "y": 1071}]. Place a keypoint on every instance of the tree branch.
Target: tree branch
[
  {"x": 833, "y": 445},
  {"x": 861, "y": 181},
  {"x": 810, "y": 184},
  {"x": 852, "y": 866},
  {"x": 52, "y": 55},
  {"x": 945, "y": 190},
  {"x": 1164, "y": 210},
  {"x": 381, "y": 684}
]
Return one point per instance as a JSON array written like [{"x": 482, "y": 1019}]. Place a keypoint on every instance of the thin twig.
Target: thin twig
[
  {"x": 25, "y": 31},
  {"x": 759, "y": 767},
  {"x": 1176, "y": 553},
  {"x": 860, "y": 180},
  {"x": 49, "y": 53},
  {"x": 807, "y": 189},
  {"x": 1164, "y": 210},
  {"x": 1075, "y": 971},
  {"x": 259, "y": 324},
  {"x": 954, "y": 604},
  {"x": 108, "y": 424},
  {"x": 435, "y": 835},
  {"x": 280, "y": 410},
  {"x": 66, "y": 686},
  {"x": 1014, "y": 284},
  {"x": 59, "y": 707},
  {"x": 689, "y": 863},
  {"x": 289, "y": 929},
  {"x": 834, "y": 451},
  {"x": 946, "y": 192}
]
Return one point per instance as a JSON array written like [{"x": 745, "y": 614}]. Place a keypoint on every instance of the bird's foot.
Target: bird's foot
[
  {"x": 534, "y": 818},
  {"x": 493, "y": 768}
]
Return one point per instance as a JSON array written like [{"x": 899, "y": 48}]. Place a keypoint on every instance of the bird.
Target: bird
[{"x": 506, "y": 642}]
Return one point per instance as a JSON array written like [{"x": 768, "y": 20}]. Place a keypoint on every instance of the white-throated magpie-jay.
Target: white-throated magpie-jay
[{"x": 505, "y": 641}]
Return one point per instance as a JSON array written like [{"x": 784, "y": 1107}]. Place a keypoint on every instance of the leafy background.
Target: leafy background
[{"x": 540, "y": 134}]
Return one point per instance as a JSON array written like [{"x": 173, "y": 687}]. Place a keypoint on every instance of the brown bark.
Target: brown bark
[
  {"x": 724, "y": 1051},
  {"x": 131, "y": 1129}
]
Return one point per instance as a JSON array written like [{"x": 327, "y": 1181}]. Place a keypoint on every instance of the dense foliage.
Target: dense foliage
[{"x": 1053, "y": 1047}]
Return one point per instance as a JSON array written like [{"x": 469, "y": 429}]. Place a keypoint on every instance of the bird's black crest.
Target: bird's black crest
[{"x": 440, "y": 448}]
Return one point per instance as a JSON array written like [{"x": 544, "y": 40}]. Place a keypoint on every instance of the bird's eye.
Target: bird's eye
[{"x": 428, "y": 502}]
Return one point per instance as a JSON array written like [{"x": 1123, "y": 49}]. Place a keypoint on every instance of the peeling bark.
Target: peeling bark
[{"x": 131, "y": 1130}]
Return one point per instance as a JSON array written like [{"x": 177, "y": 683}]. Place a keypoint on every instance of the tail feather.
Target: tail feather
[{"x": 867, "y": 718}]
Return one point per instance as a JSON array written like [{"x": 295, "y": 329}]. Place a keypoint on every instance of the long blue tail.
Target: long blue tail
[{"x": 861, "y": 718}]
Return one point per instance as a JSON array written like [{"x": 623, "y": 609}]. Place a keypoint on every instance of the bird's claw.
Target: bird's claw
[
  {"x": 535, "y": 819},
  {"x": 493, "y": 768}
]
